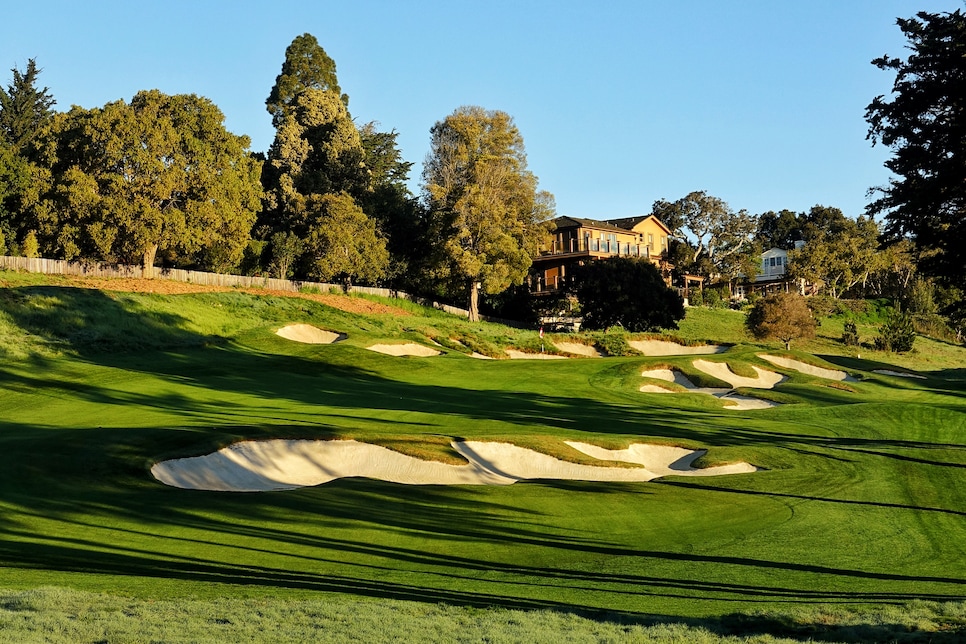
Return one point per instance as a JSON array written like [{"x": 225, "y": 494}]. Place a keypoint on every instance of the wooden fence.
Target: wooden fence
[{"x": 93, "y": 269}]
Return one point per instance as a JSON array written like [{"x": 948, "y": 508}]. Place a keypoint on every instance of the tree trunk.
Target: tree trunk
[
  {"x": 147, "y": 263},
  {"x": 474, "y": 308}
]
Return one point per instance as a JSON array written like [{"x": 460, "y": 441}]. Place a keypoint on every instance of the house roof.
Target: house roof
[
  {"x": 577, "y": 222},
  {"x": 622, "y": 225},
  {"x": 628, "y": 223}
]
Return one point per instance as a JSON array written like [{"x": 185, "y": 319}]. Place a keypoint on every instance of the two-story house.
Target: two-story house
[
  {"x": 576, "y": 241},
  {"x": 772, "y": 276}
]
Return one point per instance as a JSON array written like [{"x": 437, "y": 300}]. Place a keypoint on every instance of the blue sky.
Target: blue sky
[{"x": 759, "y": 102}]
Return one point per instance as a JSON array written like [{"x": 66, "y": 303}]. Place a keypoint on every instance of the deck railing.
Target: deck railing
[{"x": 604, "y": 246}]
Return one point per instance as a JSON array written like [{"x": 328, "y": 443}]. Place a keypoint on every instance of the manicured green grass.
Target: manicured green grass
[{"x": 861, "y": 500}]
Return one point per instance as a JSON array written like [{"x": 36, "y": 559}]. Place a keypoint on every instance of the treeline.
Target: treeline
[
  {"x": 843, "y": 256},
  {"x": 159, "y": 180}
]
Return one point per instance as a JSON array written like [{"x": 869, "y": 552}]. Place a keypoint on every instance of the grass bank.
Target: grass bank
[{"x": 858, "y": 507}]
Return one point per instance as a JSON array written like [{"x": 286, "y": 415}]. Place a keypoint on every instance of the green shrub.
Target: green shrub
[
  {"x": 897, "y": 334},
  {"x": 614, "y": 342},
  {"x": 30, "y": 247},
  {"x": 850, "y": 335},
  {"x": 714, "y": 299}
]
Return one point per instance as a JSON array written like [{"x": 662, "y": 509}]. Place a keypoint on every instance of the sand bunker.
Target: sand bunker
[
  {"x": 810, "y": 369},
  {"x": 256, "y": 466},
  {"x": 666, "y": 348},
  {"x": 523, "y": 355},
  {"x": 720, "y": 370},
  {"x": 578, "y": 349},
  {"x": 731, "y": 400},
  {"x": 308, "y": 334},
  {"x": 409, "y": 349},
  {"x": 898, "y": 374}
]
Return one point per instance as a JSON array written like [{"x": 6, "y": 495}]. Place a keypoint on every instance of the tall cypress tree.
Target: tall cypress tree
[
  {"x": 924, "y": 124},
  {"x": 24, "y": 109}
]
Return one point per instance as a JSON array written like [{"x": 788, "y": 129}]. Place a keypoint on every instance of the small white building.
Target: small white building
[
  {"x": 772, "y": 276},
  {"x": 774, "y": 263}
]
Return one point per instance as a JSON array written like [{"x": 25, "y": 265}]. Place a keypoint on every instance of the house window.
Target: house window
[
  {"x": 772, "y": 261},
  {"x": 650, "y": 240}
]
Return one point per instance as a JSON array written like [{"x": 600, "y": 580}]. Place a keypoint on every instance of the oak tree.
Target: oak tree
[
  {"x": 839, "y": 253},
  {"x": 713, "y": 232},
  {"x": 158, "y": 175}
]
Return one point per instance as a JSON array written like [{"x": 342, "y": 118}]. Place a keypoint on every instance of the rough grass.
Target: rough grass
[
  {"x": 56, "y": 615},
  {"x": 859, "y": 508}
]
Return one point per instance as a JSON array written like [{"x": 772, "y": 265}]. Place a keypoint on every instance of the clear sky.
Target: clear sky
[{"x": 759, "y": 102}]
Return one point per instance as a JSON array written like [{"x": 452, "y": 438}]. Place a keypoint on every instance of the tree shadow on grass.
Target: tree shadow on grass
[
  {"x": 276, "y": 542},
  {"x": 94, "y": 484}
]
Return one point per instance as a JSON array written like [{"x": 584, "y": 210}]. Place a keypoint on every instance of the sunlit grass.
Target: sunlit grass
[{"x": 859, "y": 505}]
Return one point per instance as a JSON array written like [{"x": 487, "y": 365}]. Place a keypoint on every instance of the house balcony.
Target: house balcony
[{"x": 596, "y": 248}]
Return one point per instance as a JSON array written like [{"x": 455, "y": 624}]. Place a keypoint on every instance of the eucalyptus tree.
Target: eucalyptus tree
[{"x": 487, "y": 218}]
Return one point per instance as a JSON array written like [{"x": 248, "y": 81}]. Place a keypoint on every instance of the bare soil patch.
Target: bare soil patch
[{"x": 168, "y": 287}]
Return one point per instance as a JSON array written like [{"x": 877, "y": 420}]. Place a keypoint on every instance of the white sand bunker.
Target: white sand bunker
[
  {"x": 256, "y": 466},
  {"x": 578, "y": 349},
  {"x": 898, "y": 374},
  {"x": 523, "y": 355},
  {"x": 810, "y": 369},
  {"x": 408, "y": 349},
  {"x": 309, "y": 334},
  {"x": 764, "y": 380},
  {"x": 732, "y": 401},
  {"x": 666, "y": 348}
]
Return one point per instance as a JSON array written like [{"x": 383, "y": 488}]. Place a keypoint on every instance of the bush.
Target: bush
[
  {"x": 30, "y": 246},
  {"x": 614, "y": 342},
  {"x": 897, "y": 334},
  {"x": 713, "y": 299},
  {"x": 627, "y": 292},
  {"x": 784, "y": 316},
  {"x": 850, "y": 335}
]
